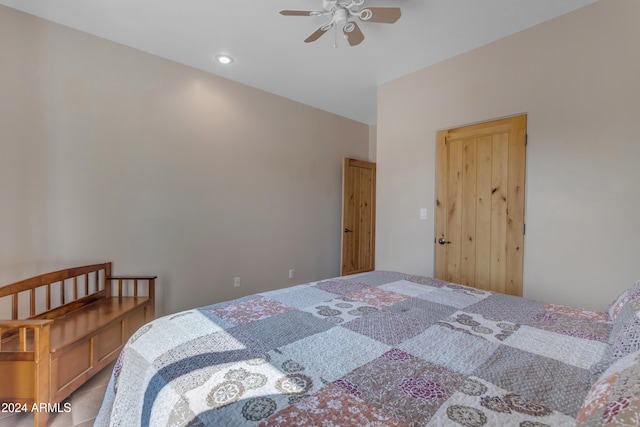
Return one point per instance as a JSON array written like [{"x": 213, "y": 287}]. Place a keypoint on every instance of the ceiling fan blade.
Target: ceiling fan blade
[
  {"x": 296, "y": 12},
  {"x": 384, "y": 15},
  {"x": 353, "y": 33},
  {"x": 317, "y": 33}
]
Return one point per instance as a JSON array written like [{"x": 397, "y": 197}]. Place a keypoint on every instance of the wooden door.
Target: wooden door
[
  {"x": 358, "y": 216},
  {"x": 480, "y": 205}
]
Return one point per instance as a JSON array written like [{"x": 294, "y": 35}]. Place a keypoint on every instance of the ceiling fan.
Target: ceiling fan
[{"x": 343, "y": 13}]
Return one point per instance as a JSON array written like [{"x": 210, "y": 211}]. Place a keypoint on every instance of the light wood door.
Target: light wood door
[
  {"x": 358, "y": 216},
  {"x": 480, "y": 205}
]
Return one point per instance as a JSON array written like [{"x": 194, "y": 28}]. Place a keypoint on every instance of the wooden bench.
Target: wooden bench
[{"x": 61, "y": 329}]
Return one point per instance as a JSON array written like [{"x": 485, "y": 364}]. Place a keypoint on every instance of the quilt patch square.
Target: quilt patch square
[
  {"x": 347, "y": 351},
  {"x": 382, "y": 277},
  {"x": 430, "y": 281},
  {"x": 457, "y": 351},
  {"x": 376, "y": 297},
  {"x": 477, "y": 325},
  {"x": 251, "y": 310},
  {"x": 389, "y": 327},
  {"x": 404, "y": 287},
  {"x": 146, "y": 337},
  {"x": 564, "y": 322},
  {"x": 595, "y": 316},
  {"x": 402, "y": 385},
  {"x": 458, "y": 297},
  {"x": 549, "y": 382},
  {"x": 341, "y": 287},
  {"x": 506, "y": 307},
  {"x": 331, "y": 406},
  {"x": 478, "y": 402},
  {"x": 578, "y": 352},
  {"x": 300, "y": 297},
  {"x": 223, "y": 346},
  {"x": 426, "y": 311},
  {"x": 341, "y": 310},
  {"x": 276, "y": 331},
  {"x": 135, "y": 364}
]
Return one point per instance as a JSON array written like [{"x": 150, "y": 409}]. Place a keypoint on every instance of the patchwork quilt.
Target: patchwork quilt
[{"x": 377, "y": 349}]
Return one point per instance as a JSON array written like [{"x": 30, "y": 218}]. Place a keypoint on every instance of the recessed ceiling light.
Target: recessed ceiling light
[{"x": 224, "y": 59}]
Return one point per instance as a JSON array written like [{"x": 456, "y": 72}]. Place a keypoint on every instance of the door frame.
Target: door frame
[
  {"x": 515, "y": 216},
  {"x": 356, "y": 228}
]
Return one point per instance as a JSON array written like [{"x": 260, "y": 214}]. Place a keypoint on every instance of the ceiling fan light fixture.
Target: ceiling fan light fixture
[
  {"x": 344, "y": 13},
  {"x": 224, "y": 59}
]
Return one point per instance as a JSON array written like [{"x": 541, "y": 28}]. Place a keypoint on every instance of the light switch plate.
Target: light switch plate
[{"x": 423, "y": 213}]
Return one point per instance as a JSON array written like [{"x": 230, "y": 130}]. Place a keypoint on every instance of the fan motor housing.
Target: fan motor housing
[{"x": 341, "y": 15}]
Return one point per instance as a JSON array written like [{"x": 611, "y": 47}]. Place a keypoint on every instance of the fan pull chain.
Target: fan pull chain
[{"x": 335, "y": 38}]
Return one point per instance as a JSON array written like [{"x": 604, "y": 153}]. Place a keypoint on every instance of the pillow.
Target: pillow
[
  {"x": 614, "y": 400},
  {"x": 624, "y": 337},
  {"x": 627, "y": 295},
  {"x": 625, "y": 332}
]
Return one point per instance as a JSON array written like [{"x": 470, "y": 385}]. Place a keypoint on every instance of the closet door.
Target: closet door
[
  {"x": 358, "y": 216},
  {"x": 480, "y": 205}
]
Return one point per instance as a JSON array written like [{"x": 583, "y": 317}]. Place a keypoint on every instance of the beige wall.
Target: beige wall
[
  {"x": 108, "y": 153},
  {"x": 373, "y": 133},
  {"x": 577, "y": 78}
]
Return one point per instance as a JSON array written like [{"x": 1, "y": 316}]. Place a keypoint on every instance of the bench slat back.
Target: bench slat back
[{"x": 53, "y": 294}]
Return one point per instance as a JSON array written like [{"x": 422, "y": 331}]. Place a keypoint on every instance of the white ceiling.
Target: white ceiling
[{"x": 269, "y": 50}]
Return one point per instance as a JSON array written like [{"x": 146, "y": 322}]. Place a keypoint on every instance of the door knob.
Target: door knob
[
  {"x": 346, "y": 230},
  {"x": 443, "y": 242}
]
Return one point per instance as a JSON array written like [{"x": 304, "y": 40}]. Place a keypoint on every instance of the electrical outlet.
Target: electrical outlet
[
  {"x": 291, "y": 274},
  {"x": 236, "y": 282}
]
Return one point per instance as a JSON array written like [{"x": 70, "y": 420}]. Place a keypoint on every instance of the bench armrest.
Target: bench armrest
[
  {"x": 137, "y": 280},
  {"x": 27, "y": 323},
  {"x": 41, "y": 335}
]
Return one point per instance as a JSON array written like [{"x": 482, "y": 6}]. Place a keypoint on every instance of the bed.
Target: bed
[{"x": 381, "y": 349}]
